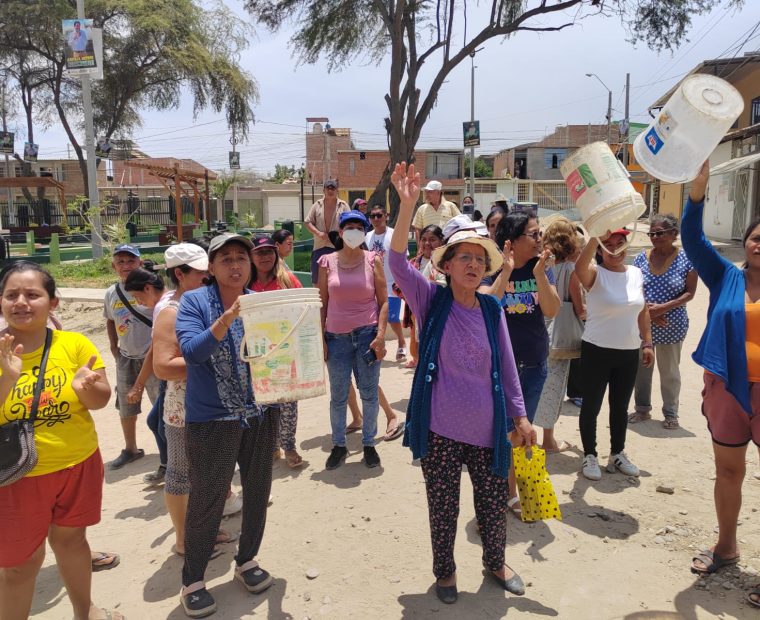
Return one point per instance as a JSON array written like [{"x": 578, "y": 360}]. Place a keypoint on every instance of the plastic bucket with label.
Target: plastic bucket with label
[
  {"x": 283, "y": 344},
  {"x": 688, "y": 128},
  {"x": 600, "y": 187}
]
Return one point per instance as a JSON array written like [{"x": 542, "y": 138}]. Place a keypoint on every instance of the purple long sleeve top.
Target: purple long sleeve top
[{"x": 462, "y": 405}]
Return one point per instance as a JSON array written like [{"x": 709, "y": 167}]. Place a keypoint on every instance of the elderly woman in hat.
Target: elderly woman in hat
[{"x": 457, "y": 413}]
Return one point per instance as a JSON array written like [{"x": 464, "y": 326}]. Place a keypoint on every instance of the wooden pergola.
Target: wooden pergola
[
  {"x": 184, "y": 181},
  {"x": 27, "y": 182}
]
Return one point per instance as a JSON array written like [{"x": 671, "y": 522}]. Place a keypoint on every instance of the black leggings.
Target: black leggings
[{"x": 602, "y": 367}]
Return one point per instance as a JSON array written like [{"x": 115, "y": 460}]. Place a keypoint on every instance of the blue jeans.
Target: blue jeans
[
  {"x": 156, "y": 423},
  {"x": 532, "y": 378},
  {"x": 344, "y": 354}
]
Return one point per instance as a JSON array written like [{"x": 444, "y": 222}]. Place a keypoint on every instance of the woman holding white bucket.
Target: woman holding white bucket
[
  {"x": 354, "y": 317},
  {"x": 669, "y": 284},
  {"x": 223, "y": 424},
  {"x": 268, "y": 273},
  {"x": 617, "y": 332},
  {"x": 465, "y": 390},
  {"x": 729, "y": 352}
]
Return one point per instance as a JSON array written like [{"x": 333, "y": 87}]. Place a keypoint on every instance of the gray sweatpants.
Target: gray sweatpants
[{"x": 667, "y": 360}]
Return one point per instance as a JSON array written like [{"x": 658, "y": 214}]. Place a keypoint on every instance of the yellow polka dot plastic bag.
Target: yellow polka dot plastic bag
[{"x": 537, "y": 497}]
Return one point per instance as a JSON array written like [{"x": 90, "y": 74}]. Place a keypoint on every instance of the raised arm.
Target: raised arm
[
  {"x": 585, "y": 271},
  {"x": 548, "y": 298},
  {"x": 407, "y": 184}
]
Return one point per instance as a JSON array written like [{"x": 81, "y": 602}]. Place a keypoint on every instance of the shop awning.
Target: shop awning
[{"x": 734, "y": 164}]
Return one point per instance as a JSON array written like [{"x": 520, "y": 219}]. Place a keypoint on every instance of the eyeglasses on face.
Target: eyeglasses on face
[
  {"x": 535, "y": 235},
  {"x": 376, "y": 216},
  {"x": 466, "y": 259},
  {"x": 660, "y": 233}
]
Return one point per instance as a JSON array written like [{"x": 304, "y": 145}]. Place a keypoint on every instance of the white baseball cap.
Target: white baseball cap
[
  {"x": 433, "y": 186},
  {"x": 463, "y": 222},
  {"x": 186, "y": 254}
]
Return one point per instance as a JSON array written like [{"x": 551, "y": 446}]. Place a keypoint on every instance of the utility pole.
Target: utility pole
[
  {"x": 472, "y": 119},
  {"x": 92, "y": 172},
  {"x": 627, "y": 120},
  {"x": 8, "y": 172},
  {"x": 234, "y": 142},
  {"x": 609, "y": 106}
]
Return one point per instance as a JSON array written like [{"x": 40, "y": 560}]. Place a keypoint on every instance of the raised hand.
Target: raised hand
[
  {"x": 545, "y": 261},
  {"x": 699, "y": 185},
  {"x": 508, "y": 254},
  {"x": 407, "y": 184},
  {"x": 85, "y": 377},
  {"x": 10, "y": 362}
]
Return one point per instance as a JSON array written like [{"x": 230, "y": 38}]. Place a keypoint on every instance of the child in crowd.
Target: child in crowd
[{"x": 129, "y": 333}]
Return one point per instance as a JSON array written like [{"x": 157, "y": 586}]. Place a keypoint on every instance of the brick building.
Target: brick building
[{"x": 331, "y": 153}]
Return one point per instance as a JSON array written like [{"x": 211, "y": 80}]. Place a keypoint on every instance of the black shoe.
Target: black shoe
[
  {"x": 446, "y": 594},
  {"x": 513, "y": 585},
  {"x": 336, "y": 458},
  {"x": 198, "y": 604},
  {"x": 371, "y": 457},
  {"x": 254, "y": 579},
  {"x": 125, "y": 457}
]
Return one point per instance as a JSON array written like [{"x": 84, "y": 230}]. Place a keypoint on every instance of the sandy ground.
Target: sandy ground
[{"x": 622, "y": 551}]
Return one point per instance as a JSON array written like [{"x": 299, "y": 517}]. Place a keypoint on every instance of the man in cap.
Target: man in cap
[
  {"x": 436, "y": 210},
  {"x": 322, "y": 218}
]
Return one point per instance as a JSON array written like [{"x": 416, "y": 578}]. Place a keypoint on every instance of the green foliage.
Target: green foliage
[
  {"x": 282, "y": 173},
  {"x": 112, "y": 232},
  {"x": 482, "y": 169},
  {"x": 222, "y": 184}
]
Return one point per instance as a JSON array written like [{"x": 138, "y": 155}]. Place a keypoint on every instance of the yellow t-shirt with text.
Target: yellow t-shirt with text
[{"x": 64, "y": 430}]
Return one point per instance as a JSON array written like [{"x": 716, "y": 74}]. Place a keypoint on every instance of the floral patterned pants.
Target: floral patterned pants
[
  {"x": 442, "y": 469},
  {"x": 286, "y": 436}
]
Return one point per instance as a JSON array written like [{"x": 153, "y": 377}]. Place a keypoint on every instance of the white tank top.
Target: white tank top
[{"x": 613, "y": 306}]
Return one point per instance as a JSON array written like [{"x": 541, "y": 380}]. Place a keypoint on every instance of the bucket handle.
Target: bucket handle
[
  {"x": 296, "y": 325},
  {"x": 626, "y": 245}
]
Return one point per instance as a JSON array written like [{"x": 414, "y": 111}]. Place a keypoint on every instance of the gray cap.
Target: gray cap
[{"x": 221, "y": 240}]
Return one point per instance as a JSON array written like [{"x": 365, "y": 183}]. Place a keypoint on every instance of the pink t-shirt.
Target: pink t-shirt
[{"x": 352, "y": 302}]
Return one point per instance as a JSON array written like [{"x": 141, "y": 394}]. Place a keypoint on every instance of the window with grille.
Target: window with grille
[{"x": 755, "y": 112}]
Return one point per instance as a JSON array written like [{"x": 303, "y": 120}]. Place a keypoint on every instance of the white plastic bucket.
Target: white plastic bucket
[
  {"x": 599, "y": 185},
  {"x": 688, "y": 128},
  {"x": 283, "y": 344}
]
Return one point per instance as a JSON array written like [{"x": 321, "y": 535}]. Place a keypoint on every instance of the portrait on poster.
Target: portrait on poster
[
  {"x": 6, "y": 142},
  {"x": 471, "y": 131},
  {"x": 31, "y": 151},
  {"x": 80, "y": 49},
  {"x": 234, "y": 160}
]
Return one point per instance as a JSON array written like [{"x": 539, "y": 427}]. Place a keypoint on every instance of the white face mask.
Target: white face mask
[{"x": 353, "y": 238}]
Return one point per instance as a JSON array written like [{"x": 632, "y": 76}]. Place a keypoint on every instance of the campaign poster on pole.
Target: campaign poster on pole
[
  {"x": 234, "y": 160},
  {"x": 80, "y": 47},
  {"x": 471, "y": 131},
  {"x": 31, "y": 150},
  {"x": 103, "y": 148},
  {"x": 6, "y": 142}
]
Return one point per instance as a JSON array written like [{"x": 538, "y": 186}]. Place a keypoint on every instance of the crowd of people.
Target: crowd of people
[{"x": 507, "y": 316}]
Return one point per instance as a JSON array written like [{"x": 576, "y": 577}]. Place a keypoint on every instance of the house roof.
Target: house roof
[
  {"x": 571, "y": 136},
  {"x": 730, "y": 69}
]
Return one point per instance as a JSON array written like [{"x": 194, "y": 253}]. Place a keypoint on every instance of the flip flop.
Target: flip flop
[
  {"x": 671, "y": 423},
  {"x": 295, "y": 461},
  {"x": 224, "y": 537},
  {"x": 756, "y": 593},
  {"x": 111, "y": 615},
  {"x": 400, "y": 354},
  {"x": 352, "y": 428},
  {"x": 563, "y": 446},
  {"x": 99, "y": 562},
  {"x": 712, "y": 561},
  {"x": 394, "y": 432}
]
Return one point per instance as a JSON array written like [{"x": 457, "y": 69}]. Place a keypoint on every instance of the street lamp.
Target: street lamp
[{"x": 609, "y": 105}]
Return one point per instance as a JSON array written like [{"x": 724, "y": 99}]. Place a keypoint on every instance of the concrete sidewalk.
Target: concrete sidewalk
[{"x": 91, "y": 295}]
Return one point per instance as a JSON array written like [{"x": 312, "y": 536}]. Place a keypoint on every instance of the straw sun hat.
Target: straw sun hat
[{"x": 470, "y": 236}]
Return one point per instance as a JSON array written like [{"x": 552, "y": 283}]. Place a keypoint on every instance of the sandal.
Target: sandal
[
  {"x": 712, "y": 561},
  {"x": 103, "y": 560},
  {"x": 511, "y": 505},
  {"x": 671, "y": 423},
  {"x": 400, "y": 354},
  {"x": 394, "y": 432},
  {"x": 562, "y": 446},
  {"x": 224, "y": 537},
  {"x": 352, "y": 428},
  {"x": 411, "y": 364},
  {"x": 293, "y": 459},
  {"x": 754, "y": 592},
  {"x": 639, "y": 416},
  {"x": 110, "y": 614}
]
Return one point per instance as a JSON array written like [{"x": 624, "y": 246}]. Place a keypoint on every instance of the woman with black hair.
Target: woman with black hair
[
  {"x": 493, "y": 219},
  {"x": 526, "y": 287},
  {"x": 283, "y": 239}
]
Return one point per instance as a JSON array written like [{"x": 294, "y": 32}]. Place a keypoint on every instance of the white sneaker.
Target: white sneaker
[
  {"x": 233, "y": 505},
  {"x": 591, "y": 468},
  {"x": 619, "y": 462}
]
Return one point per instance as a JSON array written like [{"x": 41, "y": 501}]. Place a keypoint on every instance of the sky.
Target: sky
[{"x": 524, "y": 87}]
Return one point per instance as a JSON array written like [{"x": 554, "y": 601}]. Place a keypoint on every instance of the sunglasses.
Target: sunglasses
[
  {"x": 535, "y": 235},
  {"x": 660, "y": 233},
  {"x": 376, "y": 216}
]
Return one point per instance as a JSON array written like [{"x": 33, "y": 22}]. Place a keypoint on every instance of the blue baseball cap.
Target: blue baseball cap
[
  {"x": 128, "y": 248},
  {"x": 353, "y": 216}
]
